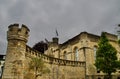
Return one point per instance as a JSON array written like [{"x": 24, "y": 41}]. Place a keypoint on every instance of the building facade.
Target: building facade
[
  {"x": 83, "y": 47},
  {"x": 74, "y": 59}
]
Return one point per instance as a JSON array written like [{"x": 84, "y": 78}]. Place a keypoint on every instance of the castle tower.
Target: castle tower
[
  {"x": 55, "y": 40},
  {"x": 15, "y": 56}
]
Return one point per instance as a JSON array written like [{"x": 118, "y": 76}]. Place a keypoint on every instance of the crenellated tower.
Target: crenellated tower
[{"x": 17, "y": 38}]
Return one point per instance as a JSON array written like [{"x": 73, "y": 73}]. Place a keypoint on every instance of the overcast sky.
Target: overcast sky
[{"x": 69, "y": 17}]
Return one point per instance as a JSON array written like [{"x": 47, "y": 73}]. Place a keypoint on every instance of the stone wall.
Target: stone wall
[
  {"x": 59, "y": 68},
  {"x": 19, "y": 55}
]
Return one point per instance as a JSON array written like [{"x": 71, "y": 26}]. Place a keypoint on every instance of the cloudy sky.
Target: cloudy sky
[{"x": 69, "y": 17}]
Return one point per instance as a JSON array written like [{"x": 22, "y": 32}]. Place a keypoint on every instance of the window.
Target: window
[
  {"x": 95, "y": 49},
  {"x": 98, "y": 71},
  {"x": 65, "y": 55},
  {"x": 76, "y": 54}
]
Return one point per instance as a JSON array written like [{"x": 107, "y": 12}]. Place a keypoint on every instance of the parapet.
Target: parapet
[
  {"x": 16, "y": 32},
  {"x": 111, "y": 37}
]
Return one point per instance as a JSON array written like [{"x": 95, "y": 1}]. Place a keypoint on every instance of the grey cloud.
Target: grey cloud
[
  {"x": 17, "y": 11},
  {"x": 3, "y": 47},
  {"x": 70, "y": 17}
]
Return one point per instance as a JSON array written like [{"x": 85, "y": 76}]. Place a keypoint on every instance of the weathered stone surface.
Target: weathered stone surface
[{"x": 74, "y": 59}]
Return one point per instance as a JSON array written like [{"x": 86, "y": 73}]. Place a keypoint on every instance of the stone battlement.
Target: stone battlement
[
  {"x": 16, "y": 27},
  {"x": 16, "y": 32}
]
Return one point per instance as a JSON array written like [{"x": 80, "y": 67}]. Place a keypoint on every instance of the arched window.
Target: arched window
[
  {"x": 95, "y": 49},
  {"x": 65, "y": 55},
  {"x": 76, "y": 54}
]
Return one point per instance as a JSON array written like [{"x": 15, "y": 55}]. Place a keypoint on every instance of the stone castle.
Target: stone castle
[{"x": 74, "y": 59}]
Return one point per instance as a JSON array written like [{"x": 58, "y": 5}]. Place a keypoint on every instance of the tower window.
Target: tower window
[{"x": 26, "y": 32}]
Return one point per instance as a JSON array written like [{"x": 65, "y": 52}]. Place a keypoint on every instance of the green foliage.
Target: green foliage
[
  {"x": 41, "y": 46},
  {"x": 106, "y": 56},
  {"x": 119, "y": 41},
  {"x": 38, "y": 66},
  {"x": 36, "y": 63}
]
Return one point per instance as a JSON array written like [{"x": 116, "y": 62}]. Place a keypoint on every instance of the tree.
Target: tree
[
  {"x": 106, "y": 57},
  {"x": 40, "y": 46},
  {"x": 37, "y": 65},
  {"x": 119, "y": 41}
]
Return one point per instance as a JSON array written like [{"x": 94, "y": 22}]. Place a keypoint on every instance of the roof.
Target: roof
[
  {"x": 88, "y": 34},
  {"x": 77, "y": 36}
]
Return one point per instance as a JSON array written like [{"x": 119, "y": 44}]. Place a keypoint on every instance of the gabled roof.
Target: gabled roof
[
  {"x": 88, "y": 34},
  {"x": 77, "y": 37}
]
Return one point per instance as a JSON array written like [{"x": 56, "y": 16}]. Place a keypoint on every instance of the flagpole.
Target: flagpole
[{"x": 56, "y": 33}]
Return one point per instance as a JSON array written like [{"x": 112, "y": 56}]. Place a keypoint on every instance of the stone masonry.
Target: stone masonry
[
  {"x": 19, "y": 54},
  {"x": 74, "y": 59}
]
